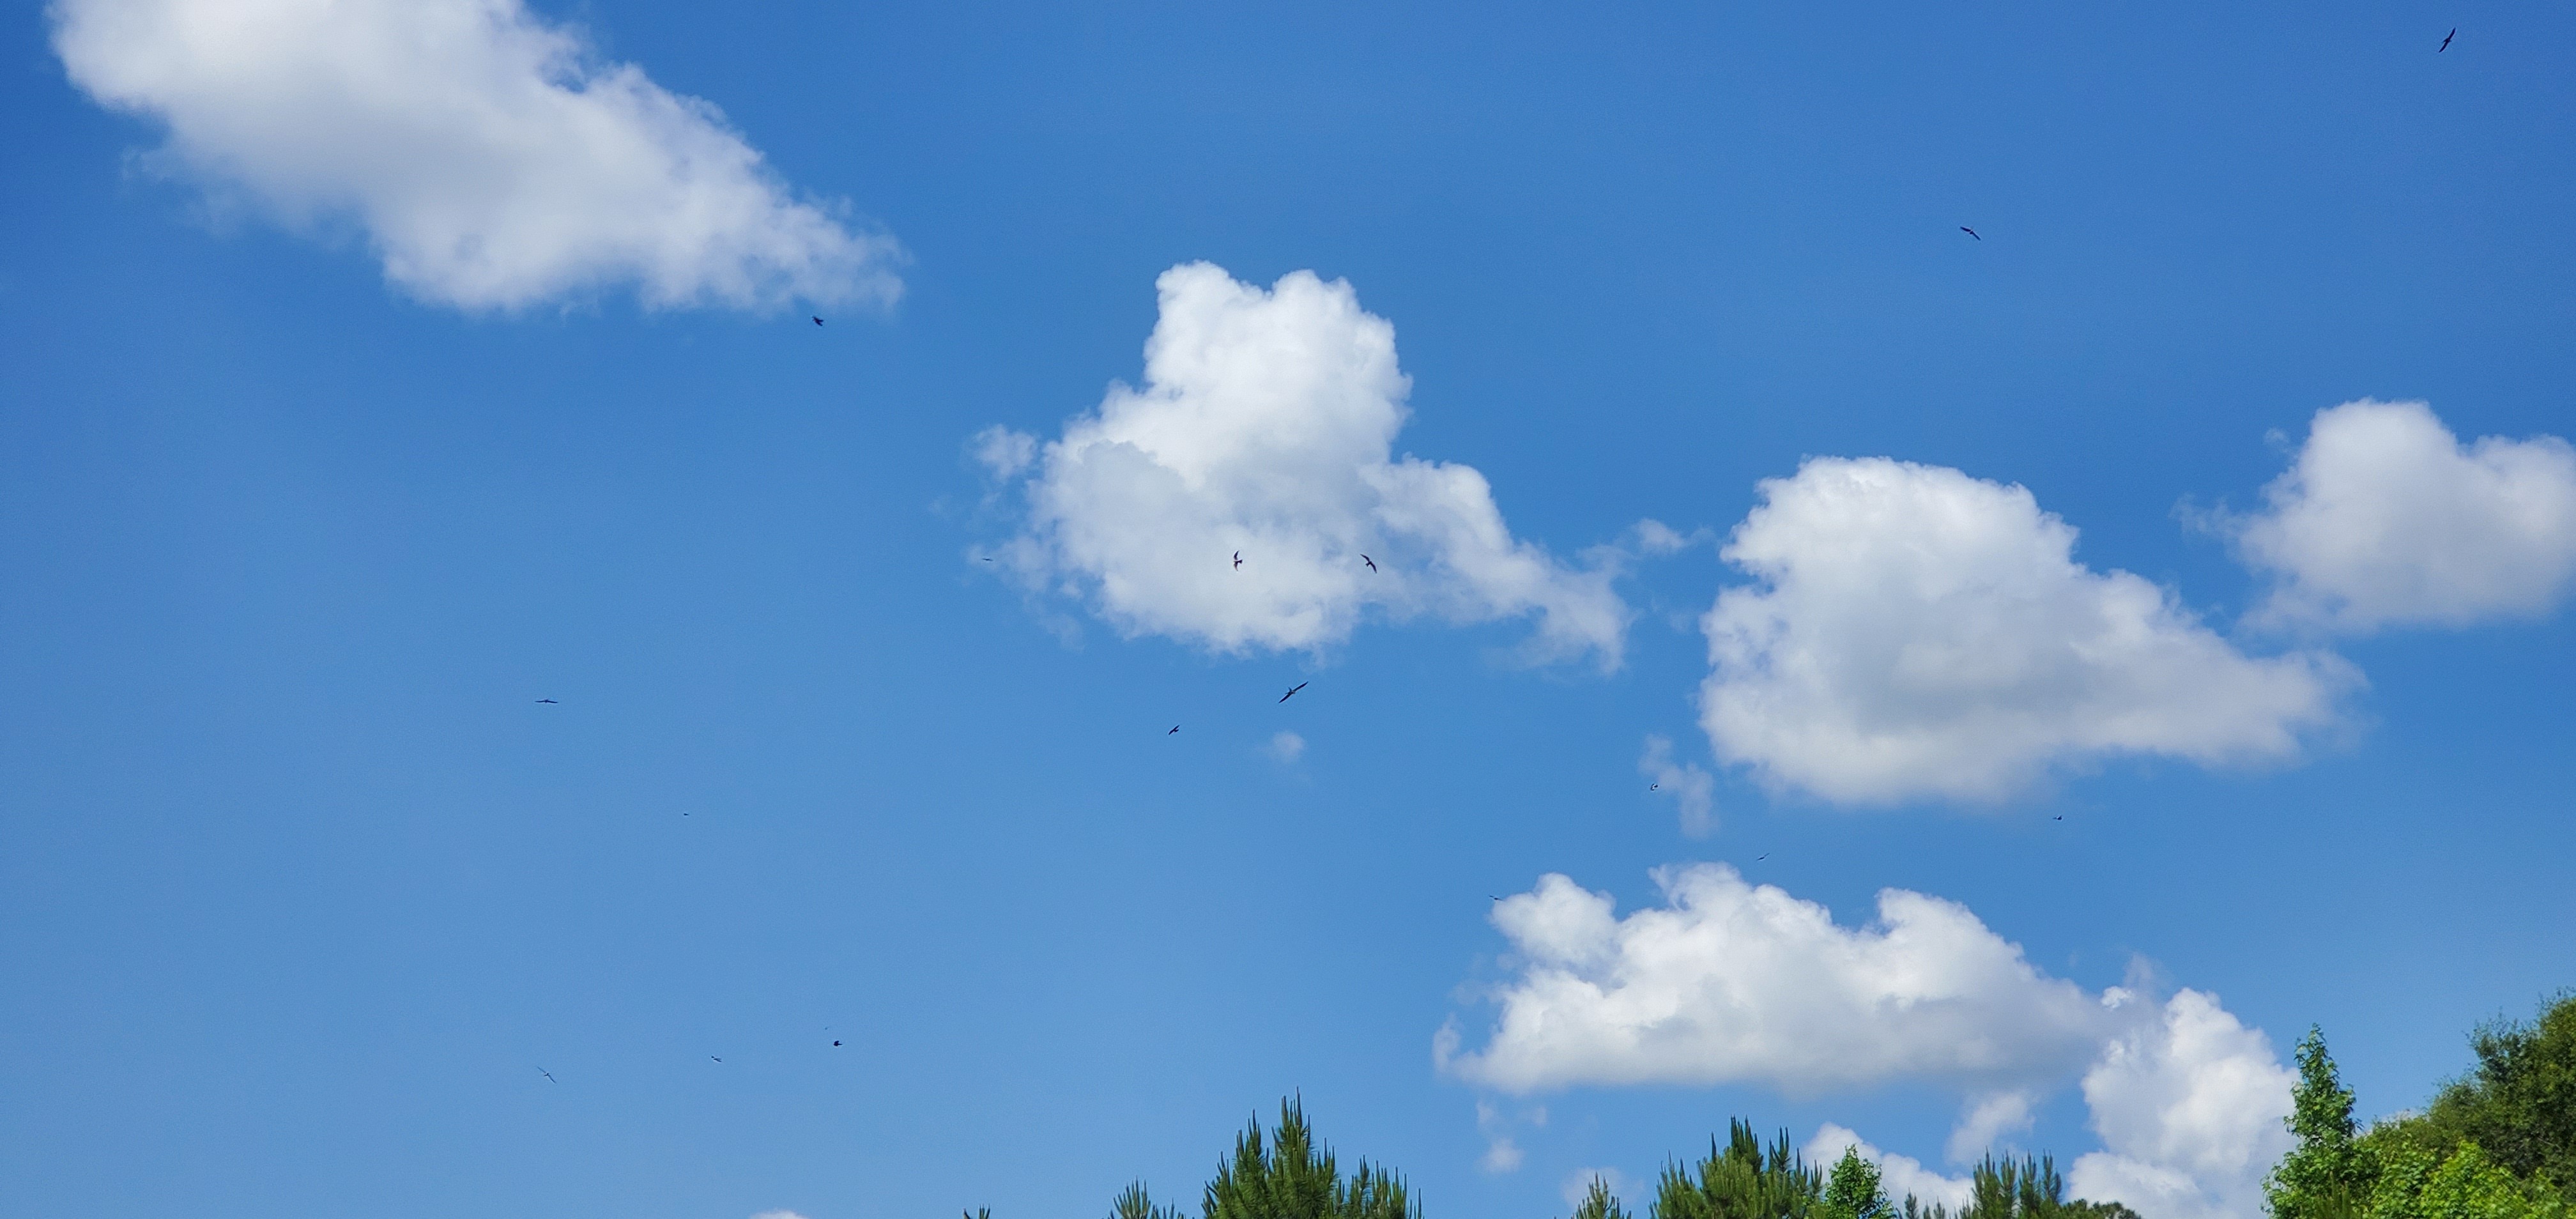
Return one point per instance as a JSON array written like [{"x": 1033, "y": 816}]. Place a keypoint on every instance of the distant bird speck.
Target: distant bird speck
[
  {"x": 1238, "y": 558},
  {"x": 2059, "y": 817},
  {"x": 1969, "y": 231},
  {"x": 711, "y": 1056},
  {"x": 2446, "y": 40},
  {"x": 545, "y": 700},
  {"x": 1653, "y": 786},
  {"x": 1175, "y": 728},
  {"x": 836, "y": 1043},
  {"x": 1293, "y": 693},
  {"x": 1495, "y": 896},
  {"x": 818, "y": 321},
  {"x": 550, "y": 1076},
  {"x": 1372, "y": 563},
  {"x": 1763, "y": 856}
]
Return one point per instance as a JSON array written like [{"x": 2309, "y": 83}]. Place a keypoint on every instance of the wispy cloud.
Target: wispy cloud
[{"x": 491, "y": 159}]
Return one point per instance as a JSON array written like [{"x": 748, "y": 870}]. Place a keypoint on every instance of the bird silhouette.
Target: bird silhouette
[
  {"x": 1763, "y": 856},
  {"x": 545, "y": 700},
  {"x": 836, "y": 1043},
  {"x": 1653, "y": 786},
  {"x": 1969, "y": 231},
  {"x": 2446, "y": 40},
  {"x": 1293, "y": 693},
  {"x": 1495, "y": 896},
  {"x": 2059, "y": 817},
  {"x": 1372, "y": 563},
  {"x": 1175, "y": 728},
  {"x": 713, "y": 1056},
  {"x": 818, "y": 321},
  {"x": 1238, "y": 558},
  {"x": 550, "y": 1076}
]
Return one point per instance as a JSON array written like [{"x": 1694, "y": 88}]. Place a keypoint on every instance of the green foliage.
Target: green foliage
[
  {"x": 2326, "y": 1176},
  {"x": 2458, "y": 1182},
  {"x": 1600, "y": 1203},
  {"x": 1293, "y": 1177},
  {"x": 2519, "y": 1104},
  {"x": 2025, "y": 1189},
  {"x": 1853, "y": 1191},
  {"x": 1134, "y": 1203},
  {"x": 1741, "y": 1181}
]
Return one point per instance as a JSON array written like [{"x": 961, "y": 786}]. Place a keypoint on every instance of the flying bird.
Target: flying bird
[
  {"x": 1763, "y": 856},
  {"x": 1969, "y": 231},
  {"x": 1372, "y": 563},
  {"x": 1175, "y": 728},
  {"x": 1495, "y": 896},
  {"x": 1293, "y": 693},
  {"x": 550, "y": 1076},
  {"x": 2059, "y": 817},
  {"x": 713, "y": 1056},
  {"x": 2446, "y": 40},
  {"x": 836, "y": 1043},
  {"x": 1653, "y": 786},
  {"x": 818, "y": 321},
  {"x": 1238, "y": 558},
  {"x": 545, "y": 700}
]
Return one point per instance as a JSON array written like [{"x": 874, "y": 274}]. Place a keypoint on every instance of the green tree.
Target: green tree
[
  {"x": 1293, "y": 1177},
  {"x": 1740, "y": 1181},
  {"x": 2028, "y": 1188},
  {"x": 1134, "y": 1203},
  {"x": 1853, "y": 1190},
  {"x": 1600, "y": 1203},
  {"x": 2417, "y": 1181},
  {"x": 2519, "y": 1104},
  {"x": 2326, "y": 1176}
]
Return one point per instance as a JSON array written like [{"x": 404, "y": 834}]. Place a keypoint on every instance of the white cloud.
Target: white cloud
[
  {"x": 1502, "y": 1155},
  {"x": 1899, "y": 1175},
  {"x": 1916, "y": 632},
  {"x": 2189, "y": 1107},
  {"x": 491, "y": 160},
  {"x": 2386, "y": 519},
  {"x": 1265, "y": 428},
  {"x": 1727, "y": 982},
  {"x": 1685, "y": 783},
  {"x": 1731, "y": 982},
  {"x": 1988, "y": 1118},
  {"x": 1286, "y": 747},
  {"x": 1578, "y": 1185}
]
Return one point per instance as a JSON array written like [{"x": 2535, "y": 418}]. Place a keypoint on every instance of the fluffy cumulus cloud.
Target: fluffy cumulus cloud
[
  {"x": 488, "y": 157},
  {"x": 1915, "y": 632},
  {"x": 2189, "y": 1105},
  {"x": 2385, "y": 518},
  {"x": 1728, "y": 981},
  {"x": 1265, "y": 429}
]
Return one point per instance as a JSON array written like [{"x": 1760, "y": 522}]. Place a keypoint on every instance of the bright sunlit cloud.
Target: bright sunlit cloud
[
  {"x": 2386, "y": 519},
  {"x": 1265, "y": 432},
  {"x": 1917, "y": 633},
  {"x": 1727, "y": 982},
  {"x": 1730, "y": 982},
  {"x": 490, "y": 159}
]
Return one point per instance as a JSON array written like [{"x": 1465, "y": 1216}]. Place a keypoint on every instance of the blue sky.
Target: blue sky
[{"x": 340, "y": 426}]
